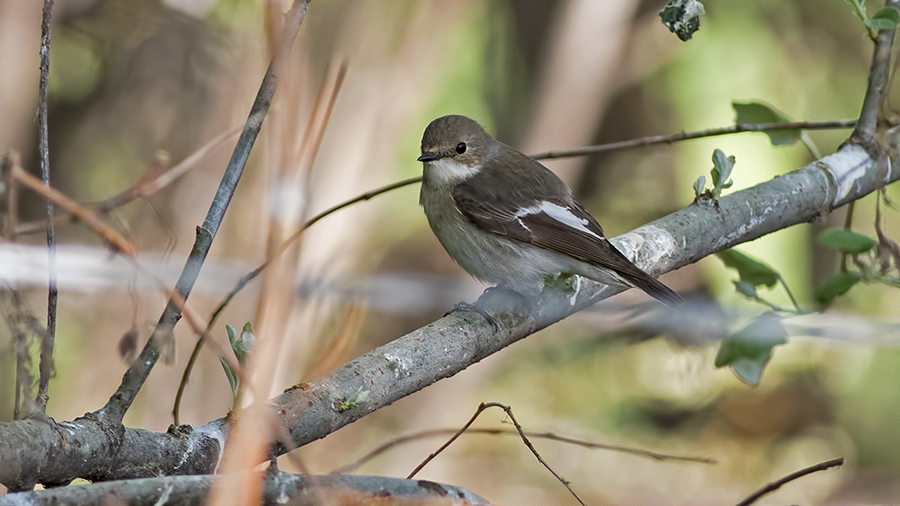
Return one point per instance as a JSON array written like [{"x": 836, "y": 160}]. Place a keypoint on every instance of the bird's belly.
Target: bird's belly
[{"x": 492, "y": 258}]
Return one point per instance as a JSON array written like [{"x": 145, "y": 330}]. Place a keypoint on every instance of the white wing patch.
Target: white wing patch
[{"x": 561, "y": 214}]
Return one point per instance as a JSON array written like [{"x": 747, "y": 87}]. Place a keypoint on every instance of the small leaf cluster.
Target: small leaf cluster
[
  {"x": 721, "y": 173},
  {"x": 753, "y": 274},
  {"x": 242, "y": 346},
  {"x": 863, "y": 250},
  {"x": 885, "y": 19},
  {"x": 748, "y": 350}
]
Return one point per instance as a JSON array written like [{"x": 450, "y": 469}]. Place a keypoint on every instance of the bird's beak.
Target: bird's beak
[{"x": 428, "y": 157}]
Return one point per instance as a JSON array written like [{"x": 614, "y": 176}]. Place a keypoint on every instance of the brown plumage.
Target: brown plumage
[{"x": 512, "y": 199}]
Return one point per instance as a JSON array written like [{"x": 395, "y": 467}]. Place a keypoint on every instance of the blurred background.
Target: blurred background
[{"x": 141, "y": 84}]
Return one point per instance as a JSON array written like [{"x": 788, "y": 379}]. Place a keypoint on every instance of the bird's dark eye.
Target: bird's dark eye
[{"x": 461, "y": 148}]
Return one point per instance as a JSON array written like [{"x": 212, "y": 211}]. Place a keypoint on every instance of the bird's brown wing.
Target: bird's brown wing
[{"x": 568, "y": 229}]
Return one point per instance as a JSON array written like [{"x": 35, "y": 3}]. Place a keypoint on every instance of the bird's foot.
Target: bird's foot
[{"x": 474, "y": 308}]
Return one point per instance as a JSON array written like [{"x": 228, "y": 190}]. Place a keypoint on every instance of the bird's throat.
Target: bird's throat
[{"x": 445, "y": 172}]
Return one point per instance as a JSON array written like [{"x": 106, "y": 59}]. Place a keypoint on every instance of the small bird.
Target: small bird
[{"x": 508, "y": 220}]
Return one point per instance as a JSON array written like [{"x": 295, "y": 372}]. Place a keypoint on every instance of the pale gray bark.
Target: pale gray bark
[{"x": 280, "y": 488}]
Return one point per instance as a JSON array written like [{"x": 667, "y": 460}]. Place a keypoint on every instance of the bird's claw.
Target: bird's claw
[{"x": 473, "y": 308}]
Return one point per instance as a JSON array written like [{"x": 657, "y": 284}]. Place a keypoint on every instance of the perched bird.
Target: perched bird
[{"x": 508, "y": 220}]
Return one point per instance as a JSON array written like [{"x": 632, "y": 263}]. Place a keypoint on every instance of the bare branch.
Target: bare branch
[
  {"x": 134, "y": 378},
  {"x": 279, "y": 487},
  {"x": 775, "y": 485},
  {"x": 712, "y": 132},
  {"x": 864, "y": 133},
  {"x": 47, "y": 339},
  {"x": 154, "y": 178},
  {"x": 393, "y": 443},
  {"x": 519, "y": 430},
  {"x": 54, "y": 196}
]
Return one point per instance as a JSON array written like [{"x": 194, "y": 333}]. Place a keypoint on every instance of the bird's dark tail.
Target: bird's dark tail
[{"x": 654, "y": 288}]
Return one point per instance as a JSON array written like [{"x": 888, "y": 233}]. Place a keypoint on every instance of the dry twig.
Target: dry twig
[{"x": 519, "y": 429}]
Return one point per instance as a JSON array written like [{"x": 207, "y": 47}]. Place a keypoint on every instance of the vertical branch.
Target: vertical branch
[
  {"x": 134, "y": 378},
  {"x": 47, "y": 338},
  {"x": 864, "y": 132}
]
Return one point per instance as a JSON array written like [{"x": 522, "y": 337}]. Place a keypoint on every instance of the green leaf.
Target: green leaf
[
  {"x": 748, "y": 350},
  {"x": 847, "y": 241},
  {"x": 835, "y": 286},
  {"x": 886, "y": 19},
  {"x": 746, "y": 289},
  {"x": 721, "y": 171},
  {"x": 699, "y": 185},
  {"x": 749, "y": 269},
  {"x": 232, "y": 334},
  {"x": 233, "y": 380},
  {"x": 682, "y": 17},
  {"x": 751, "y": 113},
  {"x": 243, "y": 345}
]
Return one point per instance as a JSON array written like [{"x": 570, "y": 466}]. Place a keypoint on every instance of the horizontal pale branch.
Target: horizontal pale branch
[
  {"x": 43, "y": 451},
  {"x": 443, "y": 348},
  {"x": 279, "y": 489}
]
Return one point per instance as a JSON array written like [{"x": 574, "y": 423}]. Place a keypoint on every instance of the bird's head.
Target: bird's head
[{"x": 454, "y": 148}]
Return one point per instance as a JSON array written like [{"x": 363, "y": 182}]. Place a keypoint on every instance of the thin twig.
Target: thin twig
[
  {"x": 775, "y": 485},
  {"x": 54, "y": 196},
  {"x": 154, "y": 178},
  {"x": 122, "y": 399},
  {"x": 712, "y": 132},
  {"x": 47, "y": 338},
  {"x": 312, "y": 140},
  {"x": 660, "y": 457},
  {"x": 789, "y": 293},
  {"x": 864, "y": 133},
  {"x": 15, "y": 317},
  {"x": 519, "y": 429}
]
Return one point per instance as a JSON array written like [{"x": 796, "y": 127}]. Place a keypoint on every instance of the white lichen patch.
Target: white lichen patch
[
  {"x": 399, "y": 365},
  {"x": 652, "y": 242},
  {"x": 848, "y": 166}
]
